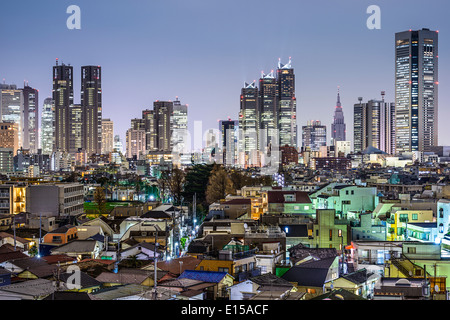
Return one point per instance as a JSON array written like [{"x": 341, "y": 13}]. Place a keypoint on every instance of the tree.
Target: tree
[
  {"x": 196, "y": 180},
  {"x": 219, "y": 185},
  {"x": 100, "y": 199}
]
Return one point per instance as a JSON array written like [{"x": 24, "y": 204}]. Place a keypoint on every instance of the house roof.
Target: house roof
[
  {"x": 206, "y": 276},
  {"x": 12, "y": 255},
  {"x": 31, "y": 288},
  {"x": 28, "y": 262},
  {"x": 358, "y": 277},
  {"x": 183, "y": 263},
  {"x": 246, "y": 201},
  {"x": 42, "y": 271},
  {"x": 4, "y": 235},
  {"x": 58, "y": 258},
  {"x": 118, "y": 292},
  {"x": 76, "y": 246},
  {"x": 278, "y": 196},
  {"x": 269, "y": 279},
  {"x": 68, "y": 295},
  {"x": 338, "y": 294},
  {"x": 299, "y": 252},
  {"x": 311, "y": 274},
  {"x": 63, "y": 229},
  {"x": 110, "y": 277},
  {"x": 86, "y": 281},
  {"x": 156, "y": 214},
  {"x": 147, "y": 245}
]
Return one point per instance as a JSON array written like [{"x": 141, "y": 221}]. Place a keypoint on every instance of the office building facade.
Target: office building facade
[{"x": 416, "y": 90}]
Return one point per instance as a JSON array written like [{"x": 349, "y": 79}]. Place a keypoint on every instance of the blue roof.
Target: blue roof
[{"x": 206, "y": 276}]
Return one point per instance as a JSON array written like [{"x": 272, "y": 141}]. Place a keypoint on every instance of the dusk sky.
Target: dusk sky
[{"x": 204, "y": 50}]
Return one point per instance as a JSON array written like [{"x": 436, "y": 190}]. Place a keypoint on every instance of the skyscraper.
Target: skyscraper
[
  {"x": 249, "y": 117},
  {"x": 230, "y": 137},
  {"x": 30, "y": 119},
  {"x": 107, "y": 136},
  {"x": 338, "y": 129},
  {"x": 91, "y": 103},
  {"x": 287, "y": 105},
  {"x": 62, "y": 95},
  {"x": 314, "y": 135},
  {"x": 9, "y": 136},
  {"x": 179, "y": 126},
  {"x": 416, "y": 90},
  {"x": 76, "y": 125},
  {"x": 47, "y": 128},
  {"x": 135, "y": 143},
  {"x": 163, "y": 113},
  {"x": 374, "y": 125},
  {"x": 268, "y": 108},
  {"x": 11, "y": 108}
]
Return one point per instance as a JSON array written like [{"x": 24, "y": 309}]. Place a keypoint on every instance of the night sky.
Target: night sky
[{"x": 204, "y": 50}]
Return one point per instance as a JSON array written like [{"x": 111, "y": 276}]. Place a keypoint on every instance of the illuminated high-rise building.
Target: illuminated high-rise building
[
  {"x": 374, "y": 125},
  {"x": 30, "y": 119},
  {"x": 47, "y": 128},
  {"x": 338, "y": 128},
  {"x": 11, "y": 108},
  {"x": 314, "y": 135},
  {"x": 9, "y": 136},
  {"x": 416, "y": 90},
  {"x": 287, "y": 105},
  {"x": 91, "y": 103},
  {"x": 230, "y": 138},
  {"x": 268, "y": 111},
  {"x": 63, "y": 101},
  {"x": 107, "y": 136},
  {"x": 249, "y": 117}
]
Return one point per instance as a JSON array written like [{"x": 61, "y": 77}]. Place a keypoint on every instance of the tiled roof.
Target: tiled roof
[
  {"x": 86, "y": 281},
  {"x": 278, "y": 196},
  {"x": 62, "y": 229},
  {"x": 206, "y": 276},
  {"x": 76, "y": 246},
  {"x": 13, "y": 255}
]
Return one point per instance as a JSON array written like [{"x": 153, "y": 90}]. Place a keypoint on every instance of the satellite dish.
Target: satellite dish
[
  {"x": 436, "y": 288},
  {"x": 245, "y": 225}
]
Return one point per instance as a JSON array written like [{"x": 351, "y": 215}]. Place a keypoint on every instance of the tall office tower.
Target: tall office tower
[
  {"x": 163, "y": 114},
  {"x": 135, "y": 143},
  {"x": 62, "y": 95},
  {"x": 30, "y": 119},
  {"x": 416, "y": 90},
  {"x": 47, "y": 128},
  {"x": 230, "y": 137},
  {"x": 268, "y": 106},
  {"x": 179, "y": 126},
  {"x": 148, "y": 123},
  {"x": 374, "y": 125},
  {"x": 287, "y": 105},
  {"x": 249, "y": 119},
  {"x": 76, "y": 129},
  {"x": 107, "y": 136},
  {"x": 91, "y": 103},
  {"x": 338, "y": 129},
  {"x": 11, "y": 108},
  {"x": 9, "y": 136},
  {"x": 314, "y": 135}
]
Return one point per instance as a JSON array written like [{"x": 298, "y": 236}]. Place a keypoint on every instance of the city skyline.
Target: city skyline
[{"x": 212, "y": 78}]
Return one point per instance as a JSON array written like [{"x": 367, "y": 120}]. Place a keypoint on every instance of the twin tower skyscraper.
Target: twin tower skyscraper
[
  {"x": 268, "y": 113},
  {"x": 77, "y": 126}
]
